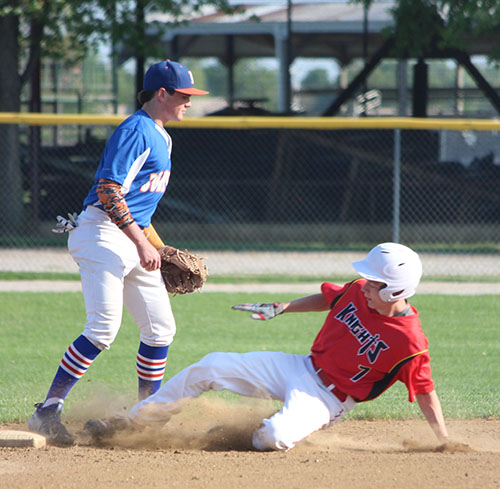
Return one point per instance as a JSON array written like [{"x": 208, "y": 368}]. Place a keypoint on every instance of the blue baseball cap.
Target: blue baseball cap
[{"x": 171, "y": 76}]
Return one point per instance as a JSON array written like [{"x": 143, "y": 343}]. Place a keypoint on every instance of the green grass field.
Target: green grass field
[{"x": 36, "y": 328}]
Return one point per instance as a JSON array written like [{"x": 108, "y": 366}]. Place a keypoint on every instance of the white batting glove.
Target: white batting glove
[
  {"x": 65, "y": 225},
  {"x": 261, "y": 312}
]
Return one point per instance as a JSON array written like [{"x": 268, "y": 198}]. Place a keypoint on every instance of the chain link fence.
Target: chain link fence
[{"x": 263, "y": 187}]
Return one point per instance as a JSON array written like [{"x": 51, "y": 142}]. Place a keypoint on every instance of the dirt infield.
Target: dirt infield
[{"x": 208, "y": 446}]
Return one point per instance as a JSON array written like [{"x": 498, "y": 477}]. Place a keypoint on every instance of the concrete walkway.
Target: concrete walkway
[
  {"x": 324, "y": 263},
  {"x": 243, "y": 263}
]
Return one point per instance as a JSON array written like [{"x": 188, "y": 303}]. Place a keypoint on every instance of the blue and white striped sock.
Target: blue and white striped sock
[
  {"x": 75, "y": 362},
  {"x": 151, "y": 363}
]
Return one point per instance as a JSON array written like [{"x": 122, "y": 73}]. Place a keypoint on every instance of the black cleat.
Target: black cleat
[
  {"x": 106, "y": 427},
  {"x": 47, "y": 422}
]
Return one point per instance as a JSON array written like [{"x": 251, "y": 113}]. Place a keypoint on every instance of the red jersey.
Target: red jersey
[{"x": 364, "y": 353}]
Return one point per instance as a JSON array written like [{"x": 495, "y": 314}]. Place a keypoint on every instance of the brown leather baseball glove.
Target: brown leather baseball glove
[{"x": 182, "y": 271}]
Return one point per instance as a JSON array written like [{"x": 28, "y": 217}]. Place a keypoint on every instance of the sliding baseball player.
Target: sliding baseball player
[{"x": 370, "y": 339}]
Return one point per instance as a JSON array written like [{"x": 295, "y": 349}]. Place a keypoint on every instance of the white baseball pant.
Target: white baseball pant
[
  {"x": 112, "y": 276},
  {"x": 308, "y": 405}
]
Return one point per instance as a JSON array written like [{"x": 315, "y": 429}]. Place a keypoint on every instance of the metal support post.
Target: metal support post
[{"x": 397, "y": 186}]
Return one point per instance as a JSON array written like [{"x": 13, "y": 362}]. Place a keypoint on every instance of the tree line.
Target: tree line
[{"x": 66, "y": 29}]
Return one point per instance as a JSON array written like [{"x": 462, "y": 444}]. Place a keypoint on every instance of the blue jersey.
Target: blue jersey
[{"x": 137, "y": 156}]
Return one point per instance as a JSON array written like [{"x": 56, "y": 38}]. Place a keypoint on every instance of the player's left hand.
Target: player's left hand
[
  {"x": 261, "y": 312},
  {"x": 182, "y": 271}
]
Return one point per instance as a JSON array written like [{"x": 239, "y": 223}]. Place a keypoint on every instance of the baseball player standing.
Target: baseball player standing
[
  {"x": 370, "y": 339},
  {"x": 118, "y": 264}
]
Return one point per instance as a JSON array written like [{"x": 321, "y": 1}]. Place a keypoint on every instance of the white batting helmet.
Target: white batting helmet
[{"x": 395, "y": 265}]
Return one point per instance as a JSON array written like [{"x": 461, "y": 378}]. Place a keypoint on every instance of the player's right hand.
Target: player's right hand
[
  {"x": 148, "y": 256},
  {"x": 261, "y": 312}
]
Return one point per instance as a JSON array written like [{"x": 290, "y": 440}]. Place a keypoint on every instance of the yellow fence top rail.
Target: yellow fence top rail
[{"x": 326, "y": 123}]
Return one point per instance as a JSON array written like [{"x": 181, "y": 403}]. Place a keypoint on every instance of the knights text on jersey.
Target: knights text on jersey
[
  {"x": 364, "y": 353},
  {"x": 137, "y": 156}
]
